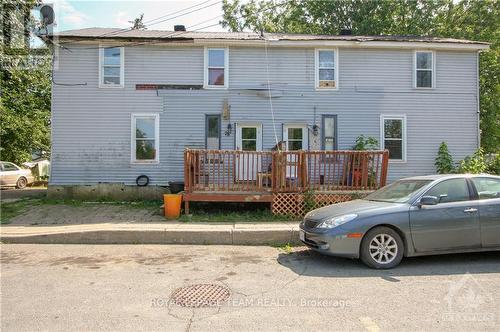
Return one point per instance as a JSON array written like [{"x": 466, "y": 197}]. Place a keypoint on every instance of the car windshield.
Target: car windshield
[{"x": 398, "y": 192}]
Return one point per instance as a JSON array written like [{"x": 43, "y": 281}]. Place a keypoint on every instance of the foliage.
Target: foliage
[
  {"x": 309, "y": 201},
  {"x": 365, "y": 143},
  {"x": 493, "y": 165},
  {"x": 474, "y": 164},
  {"x": 25, "y": 96},
  {"x": 137, "y": 23},
  {"x": 466, "y": 19},
  {"x": 444, "y": 161}
]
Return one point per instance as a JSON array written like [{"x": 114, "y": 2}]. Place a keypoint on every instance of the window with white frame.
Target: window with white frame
[
  {"x": 393, "y": 136},
  {"x": 145, "y": 137},
  {"x": 326, "y": 69},
  {"x": 111, "y": 66},
  {"x": 216, "y": 67},
  {"x": 295, "y": 137},
  {"x": 424, "y": 69}
]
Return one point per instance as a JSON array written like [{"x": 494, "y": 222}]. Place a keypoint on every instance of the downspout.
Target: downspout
[{"x": 477, "y": 102}]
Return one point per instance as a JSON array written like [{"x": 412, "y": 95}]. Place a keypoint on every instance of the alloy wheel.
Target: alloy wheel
[{"x": 383, "y": 248}]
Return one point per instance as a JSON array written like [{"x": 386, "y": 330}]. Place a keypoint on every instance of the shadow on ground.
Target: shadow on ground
[{"x": 307, "y": 262}]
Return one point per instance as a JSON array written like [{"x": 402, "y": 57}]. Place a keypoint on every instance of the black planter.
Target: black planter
[{"x": 176, "y": 187}]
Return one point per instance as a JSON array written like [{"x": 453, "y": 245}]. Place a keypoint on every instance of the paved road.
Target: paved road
[{"x": 76, "y": 287}]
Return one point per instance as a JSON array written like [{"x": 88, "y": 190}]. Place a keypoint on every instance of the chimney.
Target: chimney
[
  {"x": 179, "y": 28},
  {"x": 345, "y": 32}
]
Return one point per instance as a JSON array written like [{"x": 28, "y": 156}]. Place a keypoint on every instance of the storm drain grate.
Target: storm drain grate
[{"x": 200, "y": 295}]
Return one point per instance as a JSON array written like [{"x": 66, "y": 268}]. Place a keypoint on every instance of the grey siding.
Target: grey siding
[{"x": 91, "y": 131}]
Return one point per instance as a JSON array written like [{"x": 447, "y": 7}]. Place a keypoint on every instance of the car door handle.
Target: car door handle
[{"x": 470, "y": 210}]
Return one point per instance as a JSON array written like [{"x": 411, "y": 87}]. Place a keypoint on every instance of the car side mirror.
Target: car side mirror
[{"x": 429, "y": 200}]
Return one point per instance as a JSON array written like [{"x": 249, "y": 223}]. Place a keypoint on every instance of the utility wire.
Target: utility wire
[{"x": 148, "y": 24}]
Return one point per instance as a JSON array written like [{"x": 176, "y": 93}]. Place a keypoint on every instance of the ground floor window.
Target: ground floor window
[
  {"x": 393, "y": 136},
  {"x": 295, "y": 137},
  {"x": 329, "y": 133},
  {"x": 212, "y": 131},
  {"x": 145, "y": 137}
]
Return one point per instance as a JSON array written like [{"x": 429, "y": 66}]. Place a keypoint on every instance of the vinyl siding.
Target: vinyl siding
[{"x": 91, "y": 131}]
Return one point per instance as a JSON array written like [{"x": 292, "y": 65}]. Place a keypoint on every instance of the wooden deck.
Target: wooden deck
[{"x": 255, "y": 176}]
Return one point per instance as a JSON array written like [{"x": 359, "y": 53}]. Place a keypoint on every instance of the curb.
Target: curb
[{"x": 192, "y": 236}]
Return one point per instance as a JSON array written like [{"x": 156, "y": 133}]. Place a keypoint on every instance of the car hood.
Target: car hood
[{"x": 358, "y": 206}]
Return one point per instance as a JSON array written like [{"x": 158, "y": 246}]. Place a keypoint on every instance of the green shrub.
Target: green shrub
[
  {"x": 365, "y": 143},
  {"x": 493, "y": 165},
  {"x": 444, "y": 161},
  {"x": 474, "y": 164}
]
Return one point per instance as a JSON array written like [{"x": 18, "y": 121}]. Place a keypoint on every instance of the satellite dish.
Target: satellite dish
[{"x": 47, "y": 15}]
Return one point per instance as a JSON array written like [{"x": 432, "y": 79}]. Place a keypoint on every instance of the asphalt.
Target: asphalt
[
  {"x": 130, "y": 288},
  {"x": 271, "y": 233}
]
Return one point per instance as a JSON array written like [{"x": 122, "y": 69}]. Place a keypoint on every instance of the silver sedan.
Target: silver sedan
[
  {"x": 12, "y": 175},
  {"x": 423, "y": 215}
]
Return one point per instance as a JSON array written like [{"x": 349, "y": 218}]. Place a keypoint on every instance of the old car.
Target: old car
[
  {"x": 12, "y": 175},
  {"x": 422, "y": 215}
]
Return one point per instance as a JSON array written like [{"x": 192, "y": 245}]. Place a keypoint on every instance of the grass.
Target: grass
[
  {"x": 201, "y": 212},
  {"x": 11, "y": 209},
  {"x": 220, "y": 212}
]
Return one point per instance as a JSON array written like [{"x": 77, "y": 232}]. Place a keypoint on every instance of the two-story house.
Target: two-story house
[{"x": 127, "y": 103}]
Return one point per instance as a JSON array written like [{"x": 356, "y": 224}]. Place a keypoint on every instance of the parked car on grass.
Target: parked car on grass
[
  {"x": 423, "y": 215},
  {"x": 12, "y": 175}
]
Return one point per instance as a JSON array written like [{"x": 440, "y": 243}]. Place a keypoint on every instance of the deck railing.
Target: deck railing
[{"x": 283, "y": 171}]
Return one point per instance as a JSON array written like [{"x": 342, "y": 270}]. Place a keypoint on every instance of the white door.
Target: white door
[
  {"x": 296, "y": 138},
  {"x": 248, "y": 138}
]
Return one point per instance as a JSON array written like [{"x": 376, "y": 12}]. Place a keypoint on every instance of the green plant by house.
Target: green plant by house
[
  {"x": 365, "y": 143},
  {"x": 474, "y": 164},
  {"x": 444, "y": 161},
  {"x": 493, "y": 165},
  {"x": 309, "y": 202}
]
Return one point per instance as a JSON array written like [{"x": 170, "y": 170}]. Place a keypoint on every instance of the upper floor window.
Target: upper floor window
[
  {"x": 393, "y": 136},
  {"x": 145, "y": 137},
  {"x": 326, "y": 69},
  {"x": 424, "y": 69},
  {"x": 111, "y": 67},
  {"x": 216, "y": 60}
]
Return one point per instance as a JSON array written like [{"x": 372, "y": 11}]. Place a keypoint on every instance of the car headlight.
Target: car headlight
[{"x": 337, "y": 221}]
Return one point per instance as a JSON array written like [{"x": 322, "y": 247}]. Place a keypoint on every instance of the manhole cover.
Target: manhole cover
[{"x": 200, "y": 295}]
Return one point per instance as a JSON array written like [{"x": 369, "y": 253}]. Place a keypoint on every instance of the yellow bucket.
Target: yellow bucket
[{"x": 172, "y": 204}]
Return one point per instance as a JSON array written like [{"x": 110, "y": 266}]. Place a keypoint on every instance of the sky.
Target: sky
[{"x": 77, "y": 14}]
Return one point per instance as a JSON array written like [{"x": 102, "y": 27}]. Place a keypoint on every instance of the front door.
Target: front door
[
  {"x": 451, "y": 224},
  {"x": 248, "y": 139},
  {"x": 295, "y": 137}
]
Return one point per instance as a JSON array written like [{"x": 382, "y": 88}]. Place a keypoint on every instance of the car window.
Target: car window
[
  {"x": 454, "y": 190},
  {"x": 9, "y": 167},
  {"x": 487, "y": 187}
]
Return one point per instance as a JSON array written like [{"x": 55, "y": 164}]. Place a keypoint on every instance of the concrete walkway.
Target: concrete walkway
[{"x": 271, "y": 233}]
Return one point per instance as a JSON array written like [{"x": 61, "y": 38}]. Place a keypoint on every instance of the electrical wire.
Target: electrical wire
[
  {"x": 270, "y": 96},
  {"x": 114, "y": 33}
]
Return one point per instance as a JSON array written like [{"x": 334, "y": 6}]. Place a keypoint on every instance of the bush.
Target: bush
[
  {"x": 493, "y": 165},
  {"x": 474, "y": 164},
  {"x": 365, "y": 143},
  {"x": 444, "y": 161}
]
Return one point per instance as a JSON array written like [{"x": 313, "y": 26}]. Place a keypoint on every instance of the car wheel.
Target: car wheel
[
  {"x": 382, "y": 248},
  {"x": 21, "y": 183}
]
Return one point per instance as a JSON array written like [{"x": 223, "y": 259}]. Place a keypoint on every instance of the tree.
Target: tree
[
  {"x": 444, "y": 161},
  {"x": 467, "y": 19},
  {"x": 25, "y": 95},
  {"x": 137, "y": 23}
]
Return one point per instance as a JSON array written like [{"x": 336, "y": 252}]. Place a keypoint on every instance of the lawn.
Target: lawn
[{"x": 201, "y": 212}]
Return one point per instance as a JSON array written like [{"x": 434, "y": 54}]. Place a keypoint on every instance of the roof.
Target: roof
[{"x": 116, "y": 33}]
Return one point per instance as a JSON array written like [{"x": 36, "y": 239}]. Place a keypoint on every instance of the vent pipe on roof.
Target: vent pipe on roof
[
  {"x": 345, "y": 32},
  {"x": 179, "y": 28}
]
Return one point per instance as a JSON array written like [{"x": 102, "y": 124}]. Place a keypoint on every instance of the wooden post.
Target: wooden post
[{"x": 383, "y": 173}]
